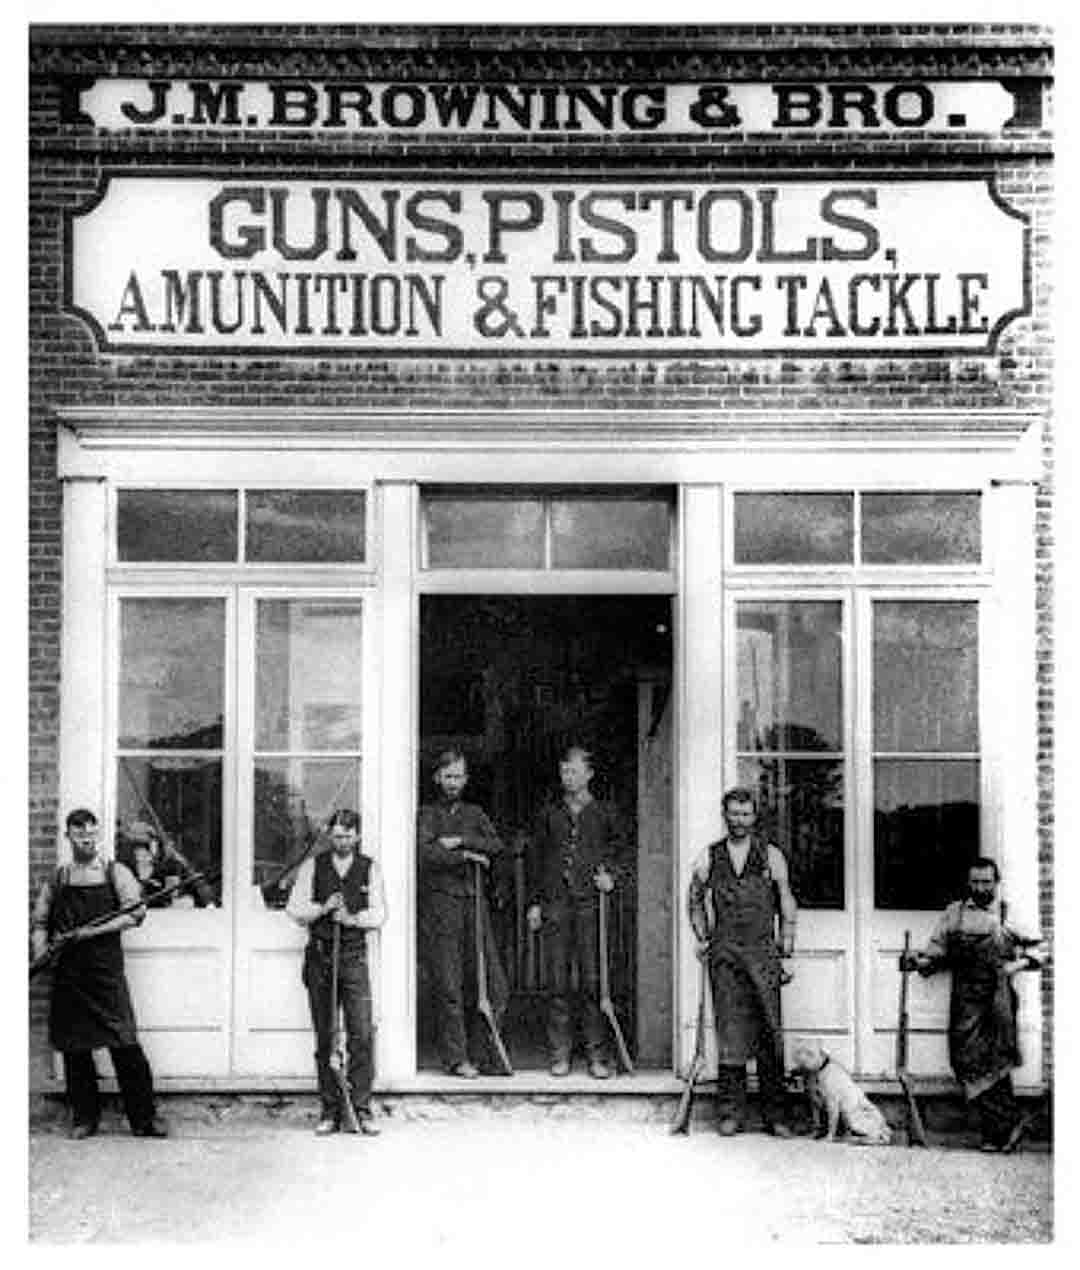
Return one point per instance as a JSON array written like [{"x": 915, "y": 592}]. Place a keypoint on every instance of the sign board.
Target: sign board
[
  {"x": 344, "y": 106},
  {"x": 580, "y": 266}
]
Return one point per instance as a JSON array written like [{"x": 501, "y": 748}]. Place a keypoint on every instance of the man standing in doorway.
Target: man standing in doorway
[
  {"x": 456, "y": 844},
  {"x": 739, "y": 894},
  {"x": 90, "y": 1007},
  {"x": 341, "y": 887},
  {"x": 578, "y": 850},
  {"x": 983, "y": 953}
]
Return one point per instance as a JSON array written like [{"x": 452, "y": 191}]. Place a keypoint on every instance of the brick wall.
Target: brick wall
[{"x": 66, "y": 162}]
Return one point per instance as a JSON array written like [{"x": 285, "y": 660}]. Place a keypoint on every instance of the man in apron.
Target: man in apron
[
  {"x": 738, "y": 889},
  {"x": 983, "y": 953},
  {"x": 90, "y": 1007}
]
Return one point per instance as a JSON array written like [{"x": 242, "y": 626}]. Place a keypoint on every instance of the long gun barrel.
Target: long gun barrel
[
  {"x": 57, "y": 946},
  {"x": 916, "y": 1131}
]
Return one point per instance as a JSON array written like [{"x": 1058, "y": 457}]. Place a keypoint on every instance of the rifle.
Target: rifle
[
  {"x": 272, "y": 891},
  {"x": 57, "y": 946},
  {"x": 483, "y": 1000},
  {"x": 916, "y": 1132},
  {"x": 607, "y": 1009},
  {"x": 681, "y": 1122},
  {"x": 337, "y": 1053}
]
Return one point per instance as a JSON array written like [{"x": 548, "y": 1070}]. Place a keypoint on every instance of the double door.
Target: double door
[{"x": 239, "y": 719}]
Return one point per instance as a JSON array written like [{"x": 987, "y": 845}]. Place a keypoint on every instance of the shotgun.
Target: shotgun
[
  {"x": 916, "y": 1132},
  {"x": 60, "y": 942},
  {"x": 349, "y": 1120},
  {"x": 607, "y": 1009},
  {"x": 483, "y": 1000},
  {"x": 681, "y": 1122}
]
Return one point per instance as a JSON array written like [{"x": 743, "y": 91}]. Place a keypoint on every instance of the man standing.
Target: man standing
[
  {"x": 90, "y": 1007},
  {"x": 738, "y": 889},
  {"x": 454, "y": 840},
  {"x": 578, "y": 849},
  {"x": 340, "y": 888},
  {"x": 984, "y": 954}
]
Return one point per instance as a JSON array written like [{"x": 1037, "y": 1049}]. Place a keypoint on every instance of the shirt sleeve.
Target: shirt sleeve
[
  {"x": 481, "y": 836},
  {"x": 937, "y": 946},
  {"x": 300, "y": 906},
  {"x": 434, "y": 857},
  {"x": 696, "y": 900}
]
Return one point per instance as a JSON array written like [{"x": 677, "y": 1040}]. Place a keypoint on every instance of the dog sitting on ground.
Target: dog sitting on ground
[{"x": 835, "y": 1100}]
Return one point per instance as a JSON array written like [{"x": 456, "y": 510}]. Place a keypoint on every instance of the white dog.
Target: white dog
[{"x": 835, "y": 1098}]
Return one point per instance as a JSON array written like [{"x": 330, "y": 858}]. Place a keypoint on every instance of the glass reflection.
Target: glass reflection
[
  {"x": 172, "y": 674},
  {"x": 198, "y": 526},
  {"x": 920, "y": 528},
  {"x": 485, "y": 533},
  {"x": 309, "y": 660},
  {"x": 610, "y": 533},
  {"x": 794, "y": 528}
]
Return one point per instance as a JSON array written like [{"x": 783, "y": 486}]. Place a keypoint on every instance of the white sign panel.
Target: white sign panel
[
  {"x": 343, "y": 107},
  {"x": 582, "y": 266}
]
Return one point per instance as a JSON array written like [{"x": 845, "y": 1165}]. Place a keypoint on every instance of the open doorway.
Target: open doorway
[{"x": 511, "y": 680}]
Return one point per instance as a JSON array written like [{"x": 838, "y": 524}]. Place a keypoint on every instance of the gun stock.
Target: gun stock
[
  {"x": 349, "y": 1120},
  {"x": 483, "y": 999},
  {"x": 681, "y": 1121},
  {"x": 916, "y": 1131},
  {"x": 607, "y": 1007}
]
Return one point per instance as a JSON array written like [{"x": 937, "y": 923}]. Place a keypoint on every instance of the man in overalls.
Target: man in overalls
[
  {"x": 972, "y": 940},
  {"x": 90, "y": 1007},
  {"x": 738, "y": 889}
]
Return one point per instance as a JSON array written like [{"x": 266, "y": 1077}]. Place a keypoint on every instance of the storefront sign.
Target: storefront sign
[
  {"x": 360, "y": 106},
  {"x": 513, "y": 267}
]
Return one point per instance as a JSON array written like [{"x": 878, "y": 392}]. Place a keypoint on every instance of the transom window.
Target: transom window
[
  {"x": 871, "y": 528},
  {"x": 250, "y": 526},
  {"x": 502, "y": 528}
]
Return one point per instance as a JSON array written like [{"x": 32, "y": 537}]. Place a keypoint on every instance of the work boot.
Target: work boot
[
  {"x": 368, "y": 1127},
  {"x": 1012, "y": 1142},
  {"x": 79, "y": 1132},
  {"x": 560, "y": 1067},
  {"x": 152, "y": 1129},
  {"x": 326, "y": 1125},
  {"x": 465, "y": 1070},
  {"x": 727, "y": 1126},
  {"x": 779, "y": 1130},
  {"x": 598, "y": 1069}
]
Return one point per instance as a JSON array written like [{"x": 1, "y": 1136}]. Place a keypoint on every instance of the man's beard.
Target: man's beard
[{"x": 982, "y": 901}]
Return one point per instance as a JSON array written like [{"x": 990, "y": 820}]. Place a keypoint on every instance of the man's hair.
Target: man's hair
[
  {"x": 80, "y": 818},
  {"x": 452, "y": 754},
  {"x": 985, "y": 862},
  {"x": 345, "y": 818},
  {"x": 740, "y": 794},
  {"x": 573, "y": 751}
]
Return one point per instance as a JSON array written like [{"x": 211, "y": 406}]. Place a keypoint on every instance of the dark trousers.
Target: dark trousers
[
  {"x": 132, "y": 1075},
  {"x": 354, "y": 996},
  {"x": 731, "y": 1089},
  {"x": 448, "y": 925},
  {"x": 571, "y": 938},
  {"x": 999, "y": 1112}
]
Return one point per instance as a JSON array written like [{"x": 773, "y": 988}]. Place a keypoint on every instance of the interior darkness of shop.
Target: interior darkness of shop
[{"x": 511, "y": 681}]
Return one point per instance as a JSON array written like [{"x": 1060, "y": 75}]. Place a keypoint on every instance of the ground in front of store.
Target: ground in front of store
[{"x": 520, "y": 1177}]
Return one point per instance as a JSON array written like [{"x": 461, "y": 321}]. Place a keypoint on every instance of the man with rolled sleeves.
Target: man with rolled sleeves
[{"x": 743, "y": 914}]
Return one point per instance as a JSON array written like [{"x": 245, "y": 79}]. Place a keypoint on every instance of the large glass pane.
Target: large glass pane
[
  {"x": 310, "y": 526},
  {"x": 789, "y": 663},
  {"x": 925, "y": 676},
  {"x": 168, "y": 821},
  {"x": 801, "y": 810},
  {"x": 610, "y": 533},
  {"x": 789, "y": 675},
  {"x": 794, "y": 528},
  {"x": 172, "y": 673},
  {"x": 485, "y": 533},
  {"x": 926, "y": 830},
  {"x": 308, "y": 685},
  {"x": 177, "y": 525},
  {"x": 920, "y": 528},
  {"x": 293, "y": 800}
]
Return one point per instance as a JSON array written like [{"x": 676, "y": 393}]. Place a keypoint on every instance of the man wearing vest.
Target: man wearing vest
[
  {"x": 90, "y": 1006},
  {"x": 341, "y": 887},
  {"x": 738, "y": 888}
]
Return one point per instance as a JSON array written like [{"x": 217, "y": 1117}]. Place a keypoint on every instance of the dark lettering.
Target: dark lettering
[
  {"x": 159, "y": 93},
  {"x": 250, "y": 240},
  {"x": 871, "y": 240},
  {"x": 215, "y": 103}
]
